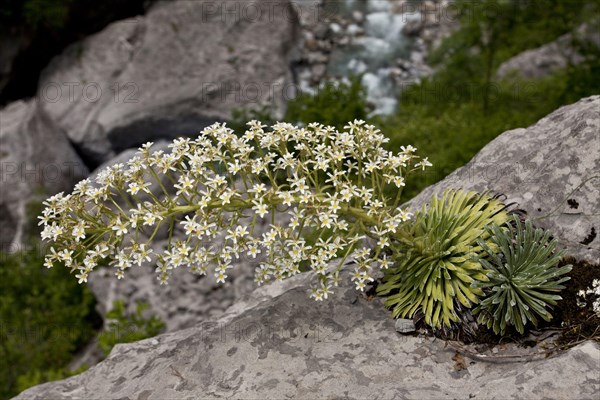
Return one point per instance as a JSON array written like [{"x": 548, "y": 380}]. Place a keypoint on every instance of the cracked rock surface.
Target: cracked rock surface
[{"x": 277, "y": 343}]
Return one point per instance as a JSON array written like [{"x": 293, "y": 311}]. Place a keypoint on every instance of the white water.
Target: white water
[{"x": 374, "y": 53}]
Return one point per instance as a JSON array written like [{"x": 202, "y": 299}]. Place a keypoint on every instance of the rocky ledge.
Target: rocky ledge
[{"x": 279, "y": 344}]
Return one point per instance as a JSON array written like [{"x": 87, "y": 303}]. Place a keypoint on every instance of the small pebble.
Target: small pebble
[{"x": 405, "y": 325}]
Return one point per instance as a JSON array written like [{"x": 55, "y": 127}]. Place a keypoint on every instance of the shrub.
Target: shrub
[
  {"x": 434, "y": 118},
  {"x": 334, "y": 104},
  {"x": 45, "y": 318},
  {"x": 433, "y": 273},
  {"x": 127, "y": 328},
  {"x": 38, "y": 376},
  {"x": 523, "y": 273}
]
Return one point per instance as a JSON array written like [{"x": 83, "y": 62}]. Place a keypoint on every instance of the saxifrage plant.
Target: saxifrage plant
[
  {"x": 332, "y": 184},
  {"x": 434, "y": 271},
  {"x": 524, "y": 277}
]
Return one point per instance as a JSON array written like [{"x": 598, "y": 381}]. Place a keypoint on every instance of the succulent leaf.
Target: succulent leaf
[
  {"x": 435, "y": 272},
  {"x": 524, "y": 276}
]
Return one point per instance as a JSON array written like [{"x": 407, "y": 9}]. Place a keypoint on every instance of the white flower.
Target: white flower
[
  {"x": 391, "y": 224},
  {"x": 48, "y": 263},
  {"x": 404, "y": 215},
  {"x": 398, "y": 181},
  {"x": 79, "y": 231},
  {"x": 384, "y": 263},
  {"x": 119, "y": 227},
  {"x": 287, "y": 198},
  {"x": 408, "y": 149},
  {"x": 142, "y": 254},
  {"x": 360, "y": 285},
  {"x": 269, "y": 237},
  {"x": 241, "y": 231},
  {"x": 221, "y": 276},
  {"x": 326, "y": 220},
  {"x": 423, "y": 164},
  {"x": 82, "y": 276},
  {"x": 299, "y": 185},
  {"x": 260, "y": 208},
  {"x": 65, "y": 255},
  {"x": 334, "y": 205},
  {"x": 253, "y": 251},
  {"x": 234, "y": 167},
  {"x": 150, "y": 218},
  {"x": 82, "y": 187},
  {"x": 383, "y": 242},
  {"x": 216, "y": 182},
  {"x": 322, "y": 163},
  {"x": 185, "y": 184},
  {"x": 258, "y": 188},
  {"x": 305, "y": 197},
  {"x": 226, "y": 196},
  {"x": 316, "y": 294},
  {"x": 134, "y": 188}
]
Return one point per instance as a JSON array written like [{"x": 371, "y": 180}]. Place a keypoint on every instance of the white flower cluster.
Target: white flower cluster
[
  {"x": 337, "y": 187},
  {"x": 595, "y": 292}
]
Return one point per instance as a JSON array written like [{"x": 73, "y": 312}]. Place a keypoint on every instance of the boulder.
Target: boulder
[
  {"x": 32, "y": 33},
  {"x": 277, "y": 343},
  {"x": 181, "y": 67},
  {"x": 549, "y": 58},
  {"x": 550, "y": 170},
  {"x": 35, "y": 157}
]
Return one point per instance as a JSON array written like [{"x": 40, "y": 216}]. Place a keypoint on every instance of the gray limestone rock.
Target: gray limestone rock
[
  {"x": 36, "y": 158},
  {"x": 279, "y": 344},
  {"x": 156, "y": 76},
  {"x": 404, "y": 325}
]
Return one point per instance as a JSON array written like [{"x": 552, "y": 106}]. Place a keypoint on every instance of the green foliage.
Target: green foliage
[
  {"x": 434, "y": 273},
  {"x": 523, "y": 276},
  {"x": 52, "y": 14},
  {"x": 334, "y": 104},
  {"x": 240, "y": 118},
  {"x": 448, "y": 123},
  {"x": 127, "y": 328},
  {"x": 492, "y": 31},
  {"x": 45, "y": 318},
  {"x": 35, "y": 377},
  {"x": 453, "y": 114}
]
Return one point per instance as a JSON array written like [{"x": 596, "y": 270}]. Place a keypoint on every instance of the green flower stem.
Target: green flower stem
[
  {"x": 159, "y": 181},
  {"x": 238, "y": 204}
]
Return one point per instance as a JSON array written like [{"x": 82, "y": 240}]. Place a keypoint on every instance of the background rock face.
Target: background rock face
[
  {"x": 278, "y": 345},
  {"x": 551, "y": 170},
  {"x": 34, "y": 155},
  {"x": 152, "y": 76}
]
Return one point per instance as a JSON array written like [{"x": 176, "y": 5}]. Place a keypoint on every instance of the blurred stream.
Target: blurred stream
[{"x": 372, "y": 52}]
